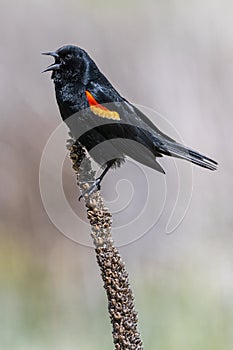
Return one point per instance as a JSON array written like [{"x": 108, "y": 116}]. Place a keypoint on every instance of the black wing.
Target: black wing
[{"x": 134, "y": 125}]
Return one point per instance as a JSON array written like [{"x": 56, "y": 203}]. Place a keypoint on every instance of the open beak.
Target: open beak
[{"x": 53, "y": 66}]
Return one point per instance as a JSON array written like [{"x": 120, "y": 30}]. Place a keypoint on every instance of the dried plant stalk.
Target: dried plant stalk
[{"x": 115, "y": 277}]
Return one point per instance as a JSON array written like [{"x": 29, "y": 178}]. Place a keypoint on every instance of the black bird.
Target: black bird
[{"x": 104, "y": 122}]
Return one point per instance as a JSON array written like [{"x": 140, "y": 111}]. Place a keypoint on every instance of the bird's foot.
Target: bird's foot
[{"x": 94, "y": 186}]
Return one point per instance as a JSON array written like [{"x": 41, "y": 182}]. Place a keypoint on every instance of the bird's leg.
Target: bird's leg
[{"x": 96, "y": 184}]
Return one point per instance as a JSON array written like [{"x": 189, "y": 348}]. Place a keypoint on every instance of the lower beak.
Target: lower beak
[{"x": 53, "y": 66}]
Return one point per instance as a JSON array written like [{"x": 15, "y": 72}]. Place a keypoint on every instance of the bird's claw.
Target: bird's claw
[{"x": 92, "y": 188}]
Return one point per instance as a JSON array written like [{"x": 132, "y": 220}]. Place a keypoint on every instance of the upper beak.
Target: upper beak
[
  {"x": 52, "y": 53},
  {"x": 52, "y": 66}
]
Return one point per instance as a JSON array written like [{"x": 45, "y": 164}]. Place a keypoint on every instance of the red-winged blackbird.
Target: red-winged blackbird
[{"x": 104, "y": 122}]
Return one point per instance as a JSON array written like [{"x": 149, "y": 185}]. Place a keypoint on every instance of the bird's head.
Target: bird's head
[{"x": 71, "y": 63}]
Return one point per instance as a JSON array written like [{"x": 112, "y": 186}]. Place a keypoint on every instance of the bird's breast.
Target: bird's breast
[{"x": 71, "y": 99}]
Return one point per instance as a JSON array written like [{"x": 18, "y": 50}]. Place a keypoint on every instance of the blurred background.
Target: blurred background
[{"x": 172, "y": 56}]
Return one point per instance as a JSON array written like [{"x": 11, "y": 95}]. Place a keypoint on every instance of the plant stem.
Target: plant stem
[{"x": 114, "y": 275}]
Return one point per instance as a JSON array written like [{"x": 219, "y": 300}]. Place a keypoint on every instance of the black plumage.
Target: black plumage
[{"x": 105, "y": 123}]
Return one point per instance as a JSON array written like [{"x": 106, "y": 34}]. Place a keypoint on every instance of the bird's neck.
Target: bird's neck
[{"x": 71, "y": 98}]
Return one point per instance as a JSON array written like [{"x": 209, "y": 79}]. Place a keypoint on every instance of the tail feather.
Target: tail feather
[{"x": 177, "y": 150}]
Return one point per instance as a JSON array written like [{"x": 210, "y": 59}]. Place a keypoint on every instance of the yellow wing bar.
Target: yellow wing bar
[{"x": 100, "y": 110}]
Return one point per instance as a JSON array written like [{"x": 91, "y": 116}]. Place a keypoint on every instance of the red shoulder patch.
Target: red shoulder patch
[
  {"x": 92, "y": 101},
  {"x": 100, "y": 110}
]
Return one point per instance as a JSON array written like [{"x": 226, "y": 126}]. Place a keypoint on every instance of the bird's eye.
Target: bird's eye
[{"x": 68, "y": 57}]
